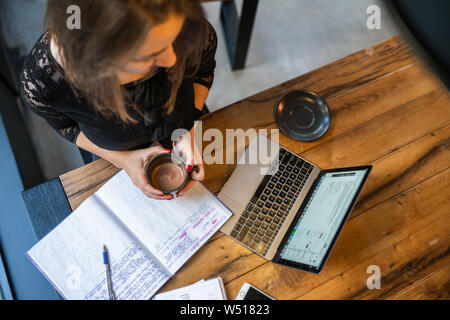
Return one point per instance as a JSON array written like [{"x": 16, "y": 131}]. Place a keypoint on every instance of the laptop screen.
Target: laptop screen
[{"x": 321, "y": 216}]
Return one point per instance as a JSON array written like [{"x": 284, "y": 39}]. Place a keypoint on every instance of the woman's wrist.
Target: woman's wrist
[{"x": 117, "y": 158}]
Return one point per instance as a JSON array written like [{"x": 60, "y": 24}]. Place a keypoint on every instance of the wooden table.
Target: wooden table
[{"x": 388, "y": 110}]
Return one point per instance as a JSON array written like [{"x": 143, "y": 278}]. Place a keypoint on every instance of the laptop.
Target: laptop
[{"x": 287, "y": 209}]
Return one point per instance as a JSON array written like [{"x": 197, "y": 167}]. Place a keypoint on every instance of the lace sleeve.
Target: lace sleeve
[
  {"x": 31, "y": 93},
  {"x": 205, "y": 73}
]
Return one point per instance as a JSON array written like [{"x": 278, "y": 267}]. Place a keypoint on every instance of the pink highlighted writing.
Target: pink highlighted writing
[
  {"x": 195, "y": 244},
  {"x": 203, "y": 217},
  {"x": 183, "y": 235}
]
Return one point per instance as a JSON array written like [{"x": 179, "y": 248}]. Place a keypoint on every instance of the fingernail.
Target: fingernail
[
  {"x": 168, "y": 150},
  {"x": 189, "y": 168}
]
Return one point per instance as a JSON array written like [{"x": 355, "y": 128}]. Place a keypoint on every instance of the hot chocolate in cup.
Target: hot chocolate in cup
[{"x": 167, "y": 172}]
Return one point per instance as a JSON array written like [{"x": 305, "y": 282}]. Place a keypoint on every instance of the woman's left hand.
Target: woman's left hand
[{"x": 186, "y": 148}]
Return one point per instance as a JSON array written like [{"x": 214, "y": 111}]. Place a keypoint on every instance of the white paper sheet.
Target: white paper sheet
[{"x": 211, "y": 289}]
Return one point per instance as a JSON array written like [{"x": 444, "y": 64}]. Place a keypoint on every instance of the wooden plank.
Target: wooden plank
[
  {"x": 82, "y": 182},
  {"x": 362, "y": 237},
  {"x": 386, "y": 133},
  {"x": 405, "y": 168},
  {"x": 364, "y": 103},
  {"x": 434, "y": 287},
  {"x": 400, "y": 265}
]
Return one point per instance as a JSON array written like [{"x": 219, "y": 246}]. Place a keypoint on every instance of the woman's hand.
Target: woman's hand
[
  {"x": 186, "y": 148},
  {"x": 133, "y": 162}
]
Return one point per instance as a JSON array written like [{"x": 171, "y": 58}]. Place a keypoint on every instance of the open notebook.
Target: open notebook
[{"x": 148, "y": 240}]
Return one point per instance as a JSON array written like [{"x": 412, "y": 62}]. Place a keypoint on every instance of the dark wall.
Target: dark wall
[
  {"x": 20, "y": 27},
  {"x": 19, "y": 168}
]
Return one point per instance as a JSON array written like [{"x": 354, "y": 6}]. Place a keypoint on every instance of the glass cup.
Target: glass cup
[{"x": 167, "y": 173}]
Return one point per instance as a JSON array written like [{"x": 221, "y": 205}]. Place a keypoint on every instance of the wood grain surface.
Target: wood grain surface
[{"x": 388, "y": 110}]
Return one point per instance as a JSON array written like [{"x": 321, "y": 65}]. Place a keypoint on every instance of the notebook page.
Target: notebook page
[
  {"x": 171, "y": 229},
  {"x": 71, "y": 257}
]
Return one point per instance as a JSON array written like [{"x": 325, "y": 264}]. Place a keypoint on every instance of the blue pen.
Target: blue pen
[{"x": 112, "y": 296}]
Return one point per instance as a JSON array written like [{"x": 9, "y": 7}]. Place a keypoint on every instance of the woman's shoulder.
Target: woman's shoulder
[
  {"x": 41, "y": 78},
  {"x": 211, "y": 42}
]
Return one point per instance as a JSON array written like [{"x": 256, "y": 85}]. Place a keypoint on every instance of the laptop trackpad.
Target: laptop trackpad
[
  {"x": 251, "y": 169},
  {"x": 243, "y": 183}
]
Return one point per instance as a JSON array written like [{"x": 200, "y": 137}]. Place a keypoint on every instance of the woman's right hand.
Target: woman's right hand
[{"x": 133, "y": 162}]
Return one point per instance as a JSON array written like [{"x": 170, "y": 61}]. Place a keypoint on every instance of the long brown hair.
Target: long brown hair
[{"x": 110, "y": 34}]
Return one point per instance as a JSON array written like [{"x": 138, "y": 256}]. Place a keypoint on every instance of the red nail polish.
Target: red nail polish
[
  {"x": 189, "y": 168},
  {"x": 168, "y": 150}
]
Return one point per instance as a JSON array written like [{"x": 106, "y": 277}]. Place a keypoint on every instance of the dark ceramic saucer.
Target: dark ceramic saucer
[{"x": 303, "y": 115}]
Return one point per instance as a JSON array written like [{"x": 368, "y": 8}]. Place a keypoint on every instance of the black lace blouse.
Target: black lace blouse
[{"x": 46, "y": 92}]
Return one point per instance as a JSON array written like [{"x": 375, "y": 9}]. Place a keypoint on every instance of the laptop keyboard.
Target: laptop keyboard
[{"x": 265, "y": 213}]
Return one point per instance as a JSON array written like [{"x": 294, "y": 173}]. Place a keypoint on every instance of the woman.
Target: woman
[{"x": 134, "y": 72}]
